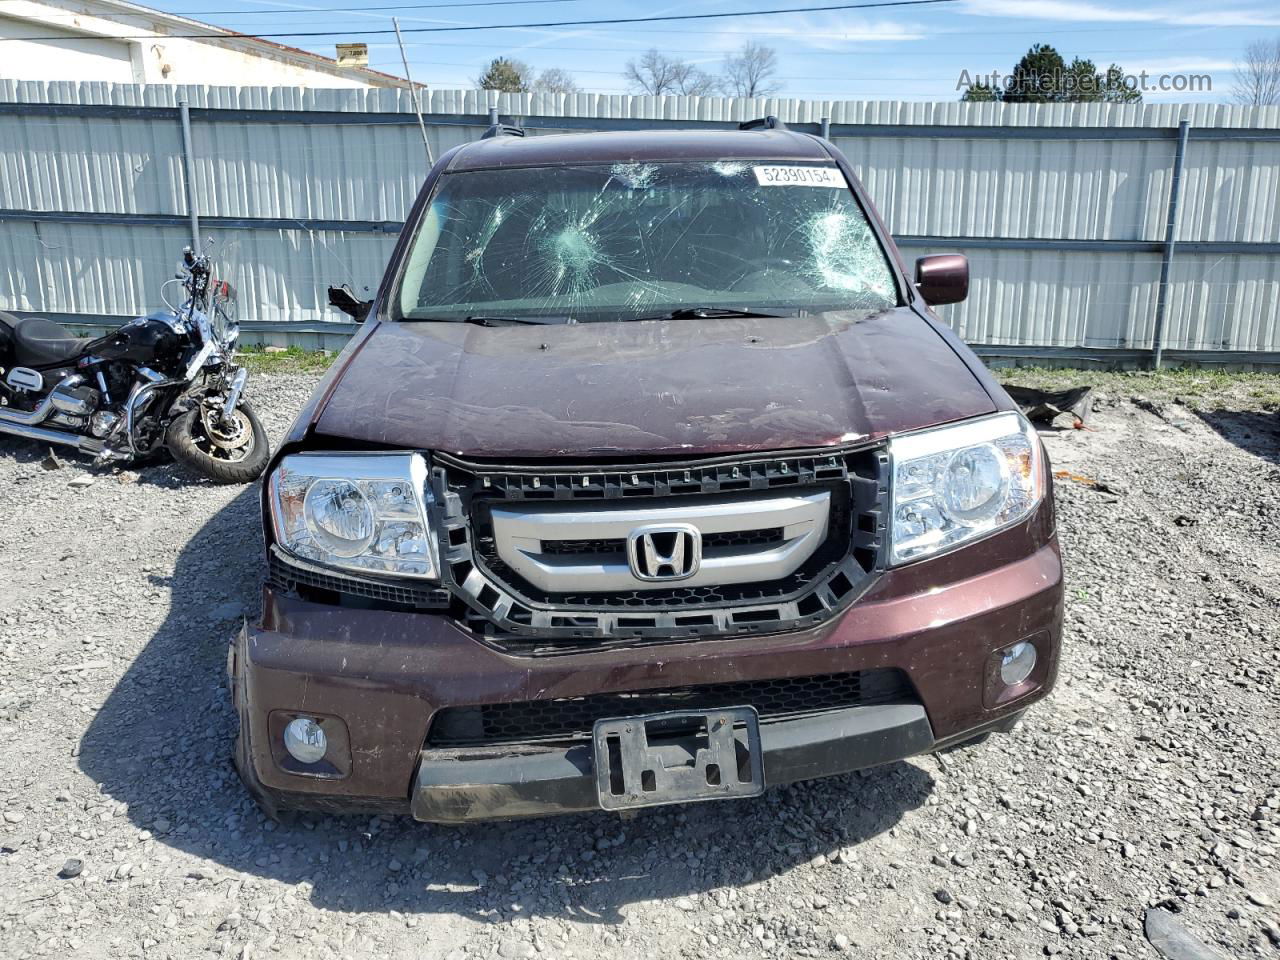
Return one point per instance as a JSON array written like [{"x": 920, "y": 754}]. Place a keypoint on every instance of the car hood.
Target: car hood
[{"x": 649, "y": 388}]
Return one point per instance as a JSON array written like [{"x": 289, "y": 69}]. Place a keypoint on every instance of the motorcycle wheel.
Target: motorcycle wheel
[{"x": 236, "y": 453}]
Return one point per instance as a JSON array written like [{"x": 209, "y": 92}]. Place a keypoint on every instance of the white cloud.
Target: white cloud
[
  {"x": 818, "y": 32},
  {"x": 1228, "y": 18},
  {"x": 1072, "y": 12},
  {"x": 1049, "y": 10},
  {"x": 1178, "y": 65}
]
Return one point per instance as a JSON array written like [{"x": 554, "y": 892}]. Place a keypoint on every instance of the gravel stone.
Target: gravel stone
[
  {"x": 515, "y": 950},
  {"x": 71, "y": 868},
  {"x": 117, "y": 604}
]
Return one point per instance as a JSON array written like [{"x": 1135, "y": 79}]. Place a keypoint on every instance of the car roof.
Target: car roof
[{"x": 637, "y": 146}]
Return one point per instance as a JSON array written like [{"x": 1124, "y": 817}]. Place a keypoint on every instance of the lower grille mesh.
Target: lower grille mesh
[
  {"x": 571, "y": 718},
  {"x": 710, "y": 541}
]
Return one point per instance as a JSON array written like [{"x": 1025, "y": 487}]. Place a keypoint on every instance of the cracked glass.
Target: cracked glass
[{"x": 584, "y": 243}]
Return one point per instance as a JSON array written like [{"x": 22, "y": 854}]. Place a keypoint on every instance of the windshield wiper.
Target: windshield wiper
[
  {"x": 485, "y": 321},
  {"x": 709, "y": 313}
]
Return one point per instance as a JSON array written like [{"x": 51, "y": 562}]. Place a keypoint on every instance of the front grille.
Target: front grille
[
  {"x": 668, "y": 597},
  {"x": 509, "y": 537},
  {"x": 570, "y": 719},
  {"x": 743, "y": 538},
  {"x": 508, "y": 610},
  {"x": 575, "y": 547},
  {"x": 710, "y": 541}
]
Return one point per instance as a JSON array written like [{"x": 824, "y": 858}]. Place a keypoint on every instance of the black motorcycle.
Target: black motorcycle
[{"x": 167, "y": 380}]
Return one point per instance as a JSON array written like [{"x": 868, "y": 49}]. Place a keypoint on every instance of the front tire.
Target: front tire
[{"x": 234, "y": 453}]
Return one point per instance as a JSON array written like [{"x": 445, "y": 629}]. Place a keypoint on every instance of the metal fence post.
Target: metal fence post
[
  {"x": 825, "y": 129},
  {"x": 1170, "y": 241},
  {"x": 189, "y": 176}
]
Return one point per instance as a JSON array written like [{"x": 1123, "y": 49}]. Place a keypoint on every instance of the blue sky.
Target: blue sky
[{"x": 906, "y": 53}]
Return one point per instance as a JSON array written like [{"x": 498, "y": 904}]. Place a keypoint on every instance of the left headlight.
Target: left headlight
[
  {"x": 365, "y": 512},
  {"x": 955, "y": 484}
]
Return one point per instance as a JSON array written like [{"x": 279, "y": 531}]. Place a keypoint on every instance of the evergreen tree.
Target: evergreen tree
[{"x": 505, "y": 76}]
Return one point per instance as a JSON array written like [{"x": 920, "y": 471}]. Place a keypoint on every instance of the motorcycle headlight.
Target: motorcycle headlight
[
  {"x": 365, "y": 512},
  {"x": 955, "y": 484}
]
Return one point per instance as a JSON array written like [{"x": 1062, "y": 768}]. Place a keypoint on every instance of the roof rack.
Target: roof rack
[
  {"x": 763, "y": 123},
  {"x": 502, "y": 130}
]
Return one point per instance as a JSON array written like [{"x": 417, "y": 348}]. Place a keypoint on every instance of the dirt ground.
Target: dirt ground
[{"x": 1150, "y": 778}]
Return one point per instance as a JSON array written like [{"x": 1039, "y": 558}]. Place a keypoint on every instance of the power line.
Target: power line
[
  {"x": 228, "y": 34},
  {"x": 294, "y": 10},
  {"x": 1145, "y": 28}
]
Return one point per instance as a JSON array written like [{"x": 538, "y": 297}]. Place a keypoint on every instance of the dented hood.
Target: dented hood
[{"x": 649, "y": 388}]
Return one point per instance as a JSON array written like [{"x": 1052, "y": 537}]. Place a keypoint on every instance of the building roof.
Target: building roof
[{"x": 164, "y": 24}]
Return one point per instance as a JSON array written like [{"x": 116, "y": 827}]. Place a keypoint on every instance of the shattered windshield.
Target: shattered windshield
[{"x": 615, "y": 242}]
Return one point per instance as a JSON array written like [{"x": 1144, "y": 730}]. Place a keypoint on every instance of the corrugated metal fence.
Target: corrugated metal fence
[{"x": 1063, "y": 210}]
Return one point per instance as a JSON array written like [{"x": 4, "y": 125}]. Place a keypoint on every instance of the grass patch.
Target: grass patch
[
  {"x": 1195, "y": 388},
  {"x": 260, "y": 359}
]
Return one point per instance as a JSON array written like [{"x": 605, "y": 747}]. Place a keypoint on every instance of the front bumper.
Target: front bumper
[
  {"x": 379, "y": 677},
  {"x": 454, "y": 786}
]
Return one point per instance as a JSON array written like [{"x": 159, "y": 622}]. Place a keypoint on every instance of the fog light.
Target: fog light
[
  {"x": 305, "y": 741},
  {"x": 1016, "y": 663}
]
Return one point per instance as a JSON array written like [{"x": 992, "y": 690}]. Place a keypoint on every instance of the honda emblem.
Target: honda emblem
[{"x": 664, "y": 552}]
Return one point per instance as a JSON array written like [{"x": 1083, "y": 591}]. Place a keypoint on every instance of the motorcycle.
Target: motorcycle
[{"x": 164, "y": 381}]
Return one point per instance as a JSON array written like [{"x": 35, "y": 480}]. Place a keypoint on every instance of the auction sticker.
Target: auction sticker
[{"x": 795, "y": 176}]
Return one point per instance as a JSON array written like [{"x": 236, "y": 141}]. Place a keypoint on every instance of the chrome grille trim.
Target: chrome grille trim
[{"x": 521, "y": 530}]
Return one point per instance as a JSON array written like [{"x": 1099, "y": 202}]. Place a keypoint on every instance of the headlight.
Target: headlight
[
  {"x": 365, "y": 512},
  {"x": 958, "y": 483}
]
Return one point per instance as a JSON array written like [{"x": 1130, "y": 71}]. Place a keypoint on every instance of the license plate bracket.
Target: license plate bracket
[{"x": 677, "y": 757}]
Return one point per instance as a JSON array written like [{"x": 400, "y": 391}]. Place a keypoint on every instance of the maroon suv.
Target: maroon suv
[{"x": 649, "y": 478}]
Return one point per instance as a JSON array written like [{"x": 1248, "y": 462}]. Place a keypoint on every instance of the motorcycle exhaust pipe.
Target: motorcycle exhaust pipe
[
  {"x": 43, "y": 410},
  {"x": 45, "y": 435},
  {"x": 20, "y": 423}
]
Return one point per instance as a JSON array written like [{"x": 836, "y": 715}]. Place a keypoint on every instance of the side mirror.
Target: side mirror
[
  {"x": 346, "y": 301},
  {"x": 943, "y": 278}
]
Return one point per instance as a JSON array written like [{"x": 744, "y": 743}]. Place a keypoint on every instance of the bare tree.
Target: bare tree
[
  {"x": 652, "y": 73},
  {"x": 1258, "y": 75},
  {"x": 659, "y": 74},
  {"x": 698, "y": 83},
  {"x": 555, "y": 80},
  {"x": 751, "y": 72}
]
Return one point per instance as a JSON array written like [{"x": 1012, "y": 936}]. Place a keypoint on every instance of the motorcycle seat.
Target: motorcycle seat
[{"x": 38, "y": 342}]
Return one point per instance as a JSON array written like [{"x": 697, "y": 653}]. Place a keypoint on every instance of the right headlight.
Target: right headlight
[
  {"x": 364, "y": 512},
  {"x": 958, "y": 483}
]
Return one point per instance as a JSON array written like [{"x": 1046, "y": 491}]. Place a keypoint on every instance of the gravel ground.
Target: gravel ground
[{"x": 1150, "y": 778}]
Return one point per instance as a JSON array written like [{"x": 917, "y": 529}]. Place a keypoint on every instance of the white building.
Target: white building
[{"x": 126, "y": 43}]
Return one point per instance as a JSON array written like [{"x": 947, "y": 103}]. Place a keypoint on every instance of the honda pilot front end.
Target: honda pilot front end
[{"x": 649, "y": 478}]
